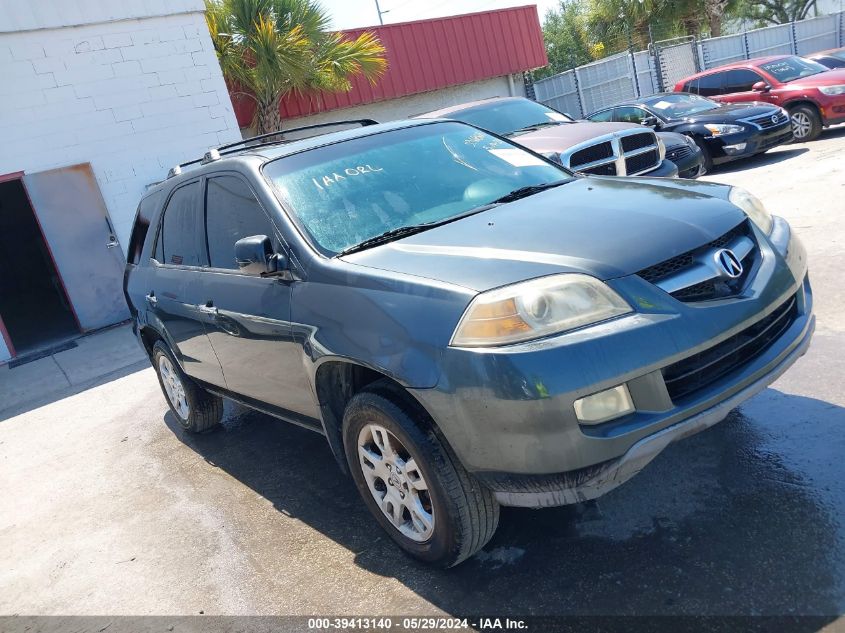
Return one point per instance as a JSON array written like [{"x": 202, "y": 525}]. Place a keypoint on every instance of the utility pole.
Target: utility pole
[{"x": 380, "y": 13}]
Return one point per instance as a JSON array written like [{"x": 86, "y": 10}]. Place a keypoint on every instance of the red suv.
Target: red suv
[{"x": 813, "y": 94}]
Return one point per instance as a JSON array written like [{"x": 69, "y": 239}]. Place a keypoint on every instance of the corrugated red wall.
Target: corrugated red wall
[{"x": 432, "y": 54}]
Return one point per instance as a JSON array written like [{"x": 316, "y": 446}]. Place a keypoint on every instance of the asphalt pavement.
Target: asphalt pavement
[{"x": 108, "y": 508}]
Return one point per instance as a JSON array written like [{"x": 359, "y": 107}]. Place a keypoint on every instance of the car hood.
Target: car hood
[
  {"x": 833, "y": 77},
  {"x": 605, "y": 227},
  {"x": 733, "y": 112},
  {"x": 556, "y": 138}
]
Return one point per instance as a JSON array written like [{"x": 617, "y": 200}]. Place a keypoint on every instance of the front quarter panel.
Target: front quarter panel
[{"x": 393, "y": 323}]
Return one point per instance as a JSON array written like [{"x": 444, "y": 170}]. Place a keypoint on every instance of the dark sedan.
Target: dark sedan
[
  {"x": 834, "y": 58},
  {"x": 723, "y": 131}
]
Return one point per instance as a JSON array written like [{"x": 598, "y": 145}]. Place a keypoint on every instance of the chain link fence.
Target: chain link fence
[{"x": 588, "y": 88}]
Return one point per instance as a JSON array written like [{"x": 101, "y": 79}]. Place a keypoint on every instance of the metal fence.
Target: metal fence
[{"x": 588, "y": 88}]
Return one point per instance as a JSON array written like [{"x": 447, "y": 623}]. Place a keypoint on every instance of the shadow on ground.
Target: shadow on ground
[
  {"x": 740, "y": 519},
  {"x": 769, "y": 158}
]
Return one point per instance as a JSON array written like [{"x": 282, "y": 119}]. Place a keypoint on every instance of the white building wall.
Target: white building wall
[
  {"x": 409, "y": 106},
  {"x": 131, "y": 96}
]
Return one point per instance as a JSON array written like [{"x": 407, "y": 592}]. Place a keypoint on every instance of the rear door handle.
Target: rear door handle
[{"x": 151, "y": 299}]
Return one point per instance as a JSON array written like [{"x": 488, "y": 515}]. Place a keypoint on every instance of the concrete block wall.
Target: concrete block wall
[{"x": 131, "y": 96}]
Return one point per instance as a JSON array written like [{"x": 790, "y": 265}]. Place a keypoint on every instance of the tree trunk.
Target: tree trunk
[
  {"x": 715, "y": 25},
  {"x": 267, "y": 117}
]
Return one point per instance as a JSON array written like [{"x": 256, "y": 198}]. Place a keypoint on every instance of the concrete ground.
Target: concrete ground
[{"x": 107, "y": 508}]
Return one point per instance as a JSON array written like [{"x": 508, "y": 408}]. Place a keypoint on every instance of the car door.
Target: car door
[
  {"x": 248, "y": 322},
  {"x": 738, "y": 83},
  {"x": 173, "y": 284}
]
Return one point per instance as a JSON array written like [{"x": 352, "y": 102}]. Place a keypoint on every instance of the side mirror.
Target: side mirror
[
  {"x": 255, "y": 256},
  {"x": 761, "y": 86},
  {"x": 650, "y": 121}
]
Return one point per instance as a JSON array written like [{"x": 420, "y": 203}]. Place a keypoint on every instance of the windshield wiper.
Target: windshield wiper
[
  {"x": 530, "y": 190},
  {"x": 405, "y": 231},
  {"x": 536, "y": 126}
]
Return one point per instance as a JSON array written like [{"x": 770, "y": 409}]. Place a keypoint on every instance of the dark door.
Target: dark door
[
  {"x": 175, "y": 283},
  {"x": 249, "y": 326}
]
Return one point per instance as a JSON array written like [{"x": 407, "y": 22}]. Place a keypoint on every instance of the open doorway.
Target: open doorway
[{"x": 33, "y": 303}]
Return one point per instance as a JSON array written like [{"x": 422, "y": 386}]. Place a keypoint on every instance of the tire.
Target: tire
[
  {"x": 705, "y": 155},
  {"x": 196, "y": 410},
  {"x": 806, "y": 123},
  {"x": 455, "y": 515}
]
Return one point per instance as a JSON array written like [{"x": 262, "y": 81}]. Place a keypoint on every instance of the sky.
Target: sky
[{"x": 349, "y": 14}]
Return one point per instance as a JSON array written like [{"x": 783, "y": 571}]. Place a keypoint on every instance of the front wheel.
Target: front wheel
[
  {"x": 411, "y": 481},
  {"x": 806, "y": 124},
  {"x": 706, "y": 158}
]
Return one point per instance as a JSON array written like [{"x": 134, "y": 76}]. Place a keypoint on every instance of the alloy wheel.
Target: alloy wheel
[
  {"x": 801, "y": 125},
  {"x": 396, "y": 482},
  {"x": 173, "y": 387}
]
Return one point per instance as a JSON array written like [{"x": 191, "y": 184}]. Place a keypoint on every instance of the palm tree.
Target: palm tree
[{"x": 270, "y": 48}]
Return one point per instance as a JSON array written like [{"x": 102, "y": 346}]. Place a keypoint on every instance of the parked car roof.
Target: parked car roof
[{"x": 463, "y": 107}]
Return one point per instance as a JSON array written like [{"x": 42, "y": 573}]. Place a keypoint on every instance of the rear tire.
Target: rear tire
[
  {"x": 412, "y": 482},
  {"x": 196, "y": 410},
  {"x": 806, "y": 123}
]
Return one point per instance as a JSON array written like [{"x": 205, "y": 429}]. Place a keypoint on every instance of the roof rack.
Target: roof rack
[{"x": 230, "y": 148}]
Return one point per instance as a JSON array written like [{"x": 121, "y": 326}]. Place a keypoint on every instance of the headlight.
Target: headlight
[
  {"x": 720, "y": 129},
  {"x": 832, "y": 90},
  {"x": 689, "y": 141},
  {"x": 752, "y": 207},
  {"x": 536, "y": 308}
]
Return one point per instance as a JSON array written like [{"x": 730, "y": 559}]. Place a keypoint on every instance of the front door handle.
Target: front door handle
[
  {"x": 208, "y": 308},
  {"x": 151, "y": 299}
]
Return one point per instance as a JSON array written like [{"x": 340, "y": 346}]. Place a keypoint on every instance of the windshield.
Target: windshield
[
  {"x": 680, "y": 105},
  {"x": 507, "y": 117},
  {"x": 792, "y": 68},
  {"x": 348, "y": 192}
]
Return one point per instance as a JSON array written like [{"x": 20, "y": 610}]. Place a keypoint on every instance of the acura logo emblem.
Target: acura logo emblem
[{"x": 729, "y": 263}]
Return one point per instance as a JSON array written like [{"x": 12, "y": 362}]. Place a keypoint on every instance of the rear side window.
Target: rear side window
[
  {"x": 740, "y": 80},
  {"x": 180, "y": 240},
  {"x": 691, "y": 86},
  {"x": 711, "y": 85},
  {"x": 231, "y": 212},
  {"x": 146, "y": 209}
]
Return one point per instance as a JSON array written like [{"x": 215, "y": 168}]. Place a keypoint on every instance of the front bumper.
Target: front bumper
[
  {"x": 691, "y": 165},
  {"x": 724, "y": 148},
  {"x": 666, "y": 169},
  {"x": 508, "y": 413}
]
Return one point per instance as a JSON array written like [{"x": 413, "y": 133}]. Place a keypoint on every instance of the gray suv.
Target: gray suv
[{"x": 467, "y": 323}]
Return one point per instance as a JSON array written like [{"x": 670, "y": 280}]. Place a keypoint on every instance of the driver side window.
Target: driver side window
[
  {"x": 630, "y": 114},
  {"x": 232, "y": 212}
]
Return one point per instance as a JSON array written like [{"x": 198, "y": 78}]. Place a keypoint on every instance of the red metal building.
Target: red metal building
[{"x": 428, "y": 55}]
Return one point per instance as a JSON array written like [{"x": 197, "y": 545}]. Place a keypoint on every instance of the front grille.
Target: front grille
[
  {"x": 699, "y": 370},
  {"x": 637, "y": 141},
  {"x": 608, "y": 169},
  {"x": 641, "y": 162},
  {"x": 655, "y": 273},
  {"x": 591, "y": 154},
  {"x": 679, "y": 153},
  {"x": 712, "y": 288},
  {"x": 765, "y": 121}
]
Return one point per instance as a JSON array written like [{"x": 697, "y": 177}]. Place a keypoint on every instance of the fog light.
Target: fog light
[
  {"x": 734, "y": 149},
  {"x": 604, "y": 405}
]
